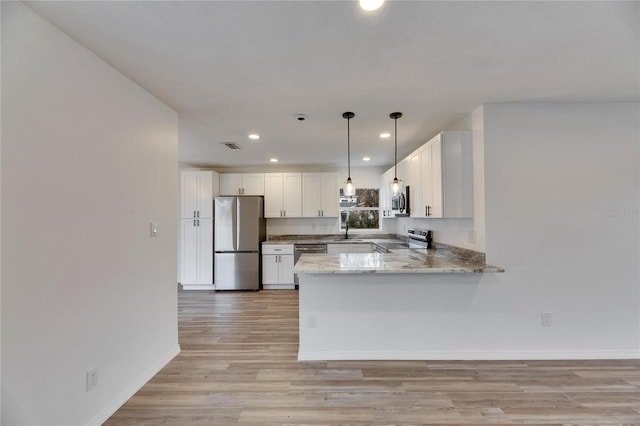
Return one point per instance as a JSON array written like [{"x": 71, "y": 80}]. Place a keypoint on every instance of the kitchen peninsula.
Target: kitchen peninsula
[{"x": 387, "y": 306}]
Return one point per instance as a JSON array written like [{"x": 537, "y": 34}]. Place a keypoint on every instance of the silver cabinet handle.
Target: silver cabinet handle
[
  {"x": 198, "y": 213},
  {"x": 198, "y": 222},
  {"x": 285, "y": 213},
  {"x": 318, "y": 212},
  {"x": 194, "y": 222},
  {"x": 194, "y": 213}
]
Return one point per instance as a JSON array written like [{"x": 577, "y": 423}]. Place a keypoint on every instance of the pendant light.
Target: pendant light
[
  {"x": 396, "y": 185},
  {"x": 349, "y": 187}
]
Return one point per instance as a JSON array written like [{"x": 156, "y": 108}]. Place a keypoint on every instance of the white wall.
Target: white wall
[
  {"x": 0, "y": 217},
  {"x": 562, "y": 217},
  {"x": 88, "y": 160}
]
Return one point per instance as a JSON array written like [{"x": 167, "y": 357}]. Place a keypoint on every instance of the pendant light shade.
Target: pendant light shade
[
  {"x": 396, "y": 185},
  {"x": 349, "y": 189}
]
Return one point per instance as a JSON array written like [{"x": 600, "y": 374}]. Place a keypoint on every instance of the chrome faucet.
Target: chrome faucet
[
  {"x": 346, "y": 224},
  {"x": 346, "y": 232}
]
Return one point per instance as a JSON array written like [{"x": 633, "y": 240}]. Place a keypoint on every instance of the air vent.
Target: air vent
[{"x": 231, "y": 145}]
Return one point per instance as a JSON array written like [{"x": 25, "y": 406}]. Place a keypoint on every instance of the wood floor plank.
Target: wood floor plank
[{"x": 238, "y": 366}]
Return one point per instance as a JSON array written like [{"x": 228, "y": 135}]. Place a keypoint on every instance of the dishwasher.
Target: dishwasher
[{"x": 300, "y": 249}]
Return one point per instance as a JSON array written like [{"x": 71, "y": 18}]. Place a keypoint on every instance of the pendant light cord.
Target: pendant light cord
[
  {"x": 395, "y": 162},
  {"x": 348, "y": 149}
]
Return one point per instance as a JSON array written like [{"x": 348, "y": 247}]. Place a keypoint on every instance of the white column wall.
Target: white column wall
[
  {"x": 562, "y": 217},
  {"x": 89, "y": 159}
]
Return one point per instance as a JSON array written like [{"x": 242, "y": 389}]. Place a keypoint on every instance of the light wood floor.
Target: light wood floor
[{"x": 238, "y": 366}]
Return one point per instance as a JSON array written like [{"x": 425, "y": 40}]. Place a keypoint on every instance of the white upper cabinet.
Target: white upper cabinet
[
  {"x": 446, "y": 166},
  {"x": 414, "y": 183},
  {"x": 320, "y": 195},
  {"x": 283, "y": 195},
  {"x": 242, "y": 184},
  {"x": 197, "y": 194},
  {"x": 385, "y": 193}
]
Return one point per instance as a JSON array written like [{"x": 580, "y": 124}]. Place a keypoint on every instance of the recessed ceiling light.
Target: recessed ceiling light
[
  {"x": 385, "y": 135},
  {"x": 371, "y": 4},
  {"x": 366, "y": 158},
  {"x": 254, "y": 136},
  {"x": 274, "y": 160}
]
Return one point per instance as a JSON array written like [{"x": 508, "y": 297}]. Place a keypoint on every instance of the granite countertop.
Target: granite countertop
[
  {"x": 441, "y": 259},
  {"x": 413, "y": 261},
  {"x": 331, "y": 238}
]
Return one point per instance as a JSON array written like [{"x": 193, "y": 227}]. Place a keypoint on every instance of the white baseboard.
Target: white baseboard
[
  {"x": 278, "y": 286},
  {"x": 198, "y": 287},
  {"x": 134, "y": 387},
  {"x": 464, "y": 355}
]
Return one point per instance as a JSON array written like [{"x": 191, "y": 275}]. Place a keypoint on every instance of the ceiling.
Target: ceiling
[{"x": 230, "y": 68}]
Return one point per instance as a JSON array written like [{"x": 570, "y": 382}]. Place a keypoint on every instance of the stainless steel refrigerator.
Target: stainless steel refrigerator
[{"x": 239, "y": 230}]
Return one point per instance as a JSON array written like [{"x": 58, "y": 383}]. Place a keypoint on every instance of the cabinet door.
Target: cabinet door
[
  {"x": 415, "y": 186},
  {"x": 329, "y": 195},
  {"x": 252, "y": 184},
  {"x": 457, "y": 174},
  {"x": 270, "y": 269},
  {"x": 189, "y": 251},
  {"x": 286, "y": 269},
  {"x": 384, "y": 203},
  {"x": 205, "y": 194},
  {"x": 189, "y": 194},
  {"x": 292, "y": 195},
  {"x": 403, "y": 172},
  {"x": 311, "y": 196},
  {"x": 426, "y": 182},
  {"x": 386, "y": 193},
  {"x": 205, "y": 251},
  {"x": 360, "y": 248},
  {"x": 337, "y": 248},
  {"x": 230, "y": 184},
  {"x": 273, "y": 195},
  {"x": 436, "y": 178}
]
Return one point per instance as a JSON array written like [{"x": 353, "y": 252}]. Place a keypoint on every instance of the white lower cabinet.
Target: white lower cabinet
[
  {"x": 277, "y": 266},
  {"x": 338, "y": 248},
  {"x": 197, "y": 254}
]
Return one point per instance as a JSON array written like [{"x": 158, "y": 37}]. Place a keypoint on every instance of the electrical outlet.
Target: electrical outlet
[
  {"x": 312, "y": 321},
  {"x": 92, "y": 378},
  {"x": 153, "y": 229},
  {"x": 547, "y": 320}
]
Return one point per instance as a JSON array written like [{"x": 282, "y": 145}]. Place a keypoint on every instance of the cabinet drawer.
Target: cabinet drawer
[{"x": 277, "y": 249}]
